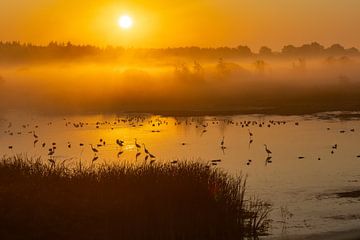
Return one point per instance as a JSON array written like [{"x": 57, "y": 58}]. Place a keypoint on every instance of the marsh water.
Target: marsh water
[{"x": 313, "y": 156}]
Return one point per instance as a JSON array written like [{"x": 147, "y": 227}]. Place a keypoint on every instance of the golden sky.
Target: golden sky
[{"x": 206, "y": 23}]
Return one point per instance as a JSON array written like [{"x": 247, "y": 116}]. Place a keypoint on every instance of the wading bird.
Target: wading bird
[
  {"x": 216, "y": 161},
  {"x": 95, "y": 158},
  {"x": 137, "y": 145},
  {"x": 267, "y": 150},
  {"x": 94, "y": 149},
  {"x": 120, "y": 142},
  {"x": 268, "y": 160},
  {"x": 145, "y": 149},
  {"x": 222, "y": 141},
  {"x": 119, "y": 153}
]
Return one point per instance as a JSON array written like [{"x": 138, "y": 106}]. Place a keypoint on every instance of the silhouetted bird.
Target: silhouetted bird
[
  {"x": 95, "y": 158},
  {"x": 267, "y": 150},
  {"x": 216, "y": 160},
  {"x": 145, "y": 149},
  {"x": 94, "y": 149},
  {"x": 137, "y": 145},
  {"x": 119, "y": 142}
]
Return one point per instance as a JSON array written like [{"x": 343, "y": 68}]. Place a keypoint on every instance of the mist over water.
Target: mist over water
[
  {"x": 75, "y": 104},
  {"x": 248, "y": 85}
]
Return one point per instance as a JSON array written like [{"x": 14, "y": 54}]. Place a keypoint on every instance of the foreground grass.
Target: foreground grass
[{"x": 186, "y": 201}]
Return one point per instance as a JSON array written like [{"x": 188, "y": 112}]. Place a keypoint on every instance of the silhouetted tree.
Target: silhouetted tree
[
  {"x": 260, "y": 66},
  {"x": 300, "y": 65},
  {"x": 352, "y": 51},
  {"x": 266, "y": 51},
  {"x": 289, "y": 50},
  {"x": 221, "y": 67},
  {"x": 311, "y": 49},
  {"x": 244, "y": 50},
  {"x": 198, "y": 69},
  {"x": 336, "y": 49}
]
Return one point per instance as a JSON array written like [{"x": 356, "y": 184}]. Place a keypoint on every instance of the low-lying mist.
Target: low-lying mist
[{"x": 247, "y": 85}]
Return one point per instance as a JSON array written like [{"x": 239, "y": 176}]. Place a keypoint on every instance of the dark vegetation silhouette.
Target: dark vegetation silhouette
[
  {"x": 12, "y": 52},
  {"x": 265, "y": 51},
  {"x": 159, "y": 201}
]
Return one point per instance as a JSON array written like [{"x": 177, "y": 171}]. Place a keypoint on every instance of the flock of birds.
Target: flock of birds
[{"x": 141, "y": 149}]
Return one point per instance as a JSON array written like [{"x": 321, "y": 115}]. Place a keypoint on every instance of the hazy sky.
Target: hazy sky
[{"x": 183, "y": 22}]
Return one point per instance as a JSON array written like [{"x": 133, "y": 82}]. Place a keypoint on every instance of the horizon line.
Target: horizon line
[{"x": 65, "y": 43}]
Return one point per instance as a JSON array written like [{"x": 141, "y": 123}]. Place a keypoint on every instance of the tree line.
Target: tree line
[{"x": 22, "y": 52}]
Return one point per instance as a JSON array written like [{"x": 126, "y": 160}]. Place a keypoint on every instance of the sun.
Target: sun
[{"x": 125, "y": 22}]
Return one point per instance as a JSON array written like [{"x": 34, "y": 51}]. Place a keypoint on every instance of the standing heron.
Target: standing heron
[
  {"x": 145, "y": 149},
  {"x": 94, "y": 149},
  {"x": 137, "y": 145},
  {"x": 267, "y": 150}
]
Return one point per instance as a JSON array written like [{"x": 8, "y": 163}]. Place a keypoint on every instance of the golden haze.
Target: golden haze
[{"x": 209, "y": 23}]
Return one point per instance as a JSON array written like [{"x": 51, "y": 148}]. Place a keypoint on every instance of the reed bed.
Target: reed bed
[{"x": 160, "y": 201}]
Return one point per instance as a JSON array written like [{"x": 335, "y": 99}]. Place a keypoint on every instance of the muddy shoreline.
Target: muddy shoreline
[{"x": 351, "y": 234}]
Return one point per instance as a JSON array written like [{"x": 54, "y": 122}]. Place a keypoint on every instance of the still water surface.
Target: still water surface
[{"x": 302, "y": 191}]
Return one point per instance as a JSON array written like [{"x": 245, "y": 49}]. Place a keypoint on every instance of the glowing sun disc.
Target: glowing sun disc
[{"x": 125, "y": 22}]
